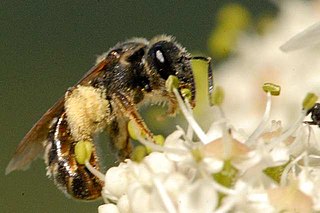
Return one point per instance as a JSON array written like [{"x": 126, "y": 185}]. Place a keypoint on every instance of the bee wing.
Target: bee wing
[
  {"x": 307, "y": 38},
  {"x": 31, "y": 145}
]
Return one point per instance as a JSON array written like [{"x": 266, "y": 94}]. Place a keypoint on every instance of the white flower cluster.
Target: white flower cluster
[
  {"x": 274, "y": 169},
  {"x": 164, "y": 181},
  {"x": 271, "y": 170}
]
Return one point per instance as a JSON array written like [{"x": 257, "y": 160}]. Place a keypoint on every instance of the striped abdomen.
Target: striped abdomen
[{"x": 69, "y": 176}]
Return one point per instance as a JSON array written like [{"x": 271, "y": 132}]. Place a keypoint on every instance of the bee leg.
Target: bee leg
[
  {"x": 120, "y": 137},
  {"x": 130, "y": 111}
]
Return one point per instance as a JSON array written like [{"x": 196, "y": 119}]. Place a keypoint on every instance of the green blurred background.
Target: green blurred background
[{"x": 47, "y": 46}]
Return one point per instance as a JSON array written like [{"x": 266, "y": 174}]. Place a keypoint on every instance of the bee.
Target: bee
[{"x": 129, "y": 75}]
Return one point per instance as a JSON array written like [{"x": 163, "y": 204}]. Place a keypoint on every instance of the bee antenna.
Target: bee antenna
[{"x": 210, "y": 75}]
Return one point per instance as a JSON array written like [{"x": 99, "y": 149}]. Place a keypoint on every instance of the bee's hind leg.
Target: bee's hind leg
[
  {"x": 120, "y": 139},
  {"x": 118, "y": 128}
]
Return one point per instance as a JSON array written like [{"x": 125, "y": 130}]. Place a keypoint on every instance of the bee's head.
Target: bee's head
[{"x": 165, "y": 57}]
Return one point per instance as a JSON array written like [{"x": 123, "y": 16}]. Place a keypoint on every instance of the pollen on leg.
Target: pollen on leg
[{"x": 87, "y": 111}]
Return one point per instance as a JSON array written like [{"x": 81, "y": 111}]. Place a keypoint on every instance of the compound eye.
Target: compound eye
[{"x": 159, "y": 56}]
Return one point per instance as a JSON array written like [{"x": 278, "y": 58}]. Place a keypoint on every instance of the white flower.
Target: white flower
[
  {"x": 116, "y": 181},
  {"x": 110, "y": 208},
  {"x": 201, "y": 196},
  {"x": 290, "y": 199}
]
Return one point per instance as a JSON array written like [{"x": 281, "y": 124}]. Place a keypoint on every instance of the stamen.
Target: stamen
[
  {"x": 189, "y": 134},
  {"x": 227, "y": 141},
  {"x": 172, "y": 82},
  {"x": 308, "y": 102},
  {"x": 271, "y": 88},
  {"x": 137, "y": 135},
  {"x": 94, "y": 171},
  {"x": 193, "y": 123},
  {"x": 263, "y": 124},
  {"x": 138, "y": 153},
  {"x": 156, "y": 147},
  {"x": 164, "y": 196},
  {"x": 284, "y": 176},
  {"x": 217, "y": 96},
  {"x": 186, "y": 94},
  {"x": 133, "y": 130},
  {"x": 83, "y": 151},
  {"x": 289, "y": 132},
  {"x": 159, "y": 139}
]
